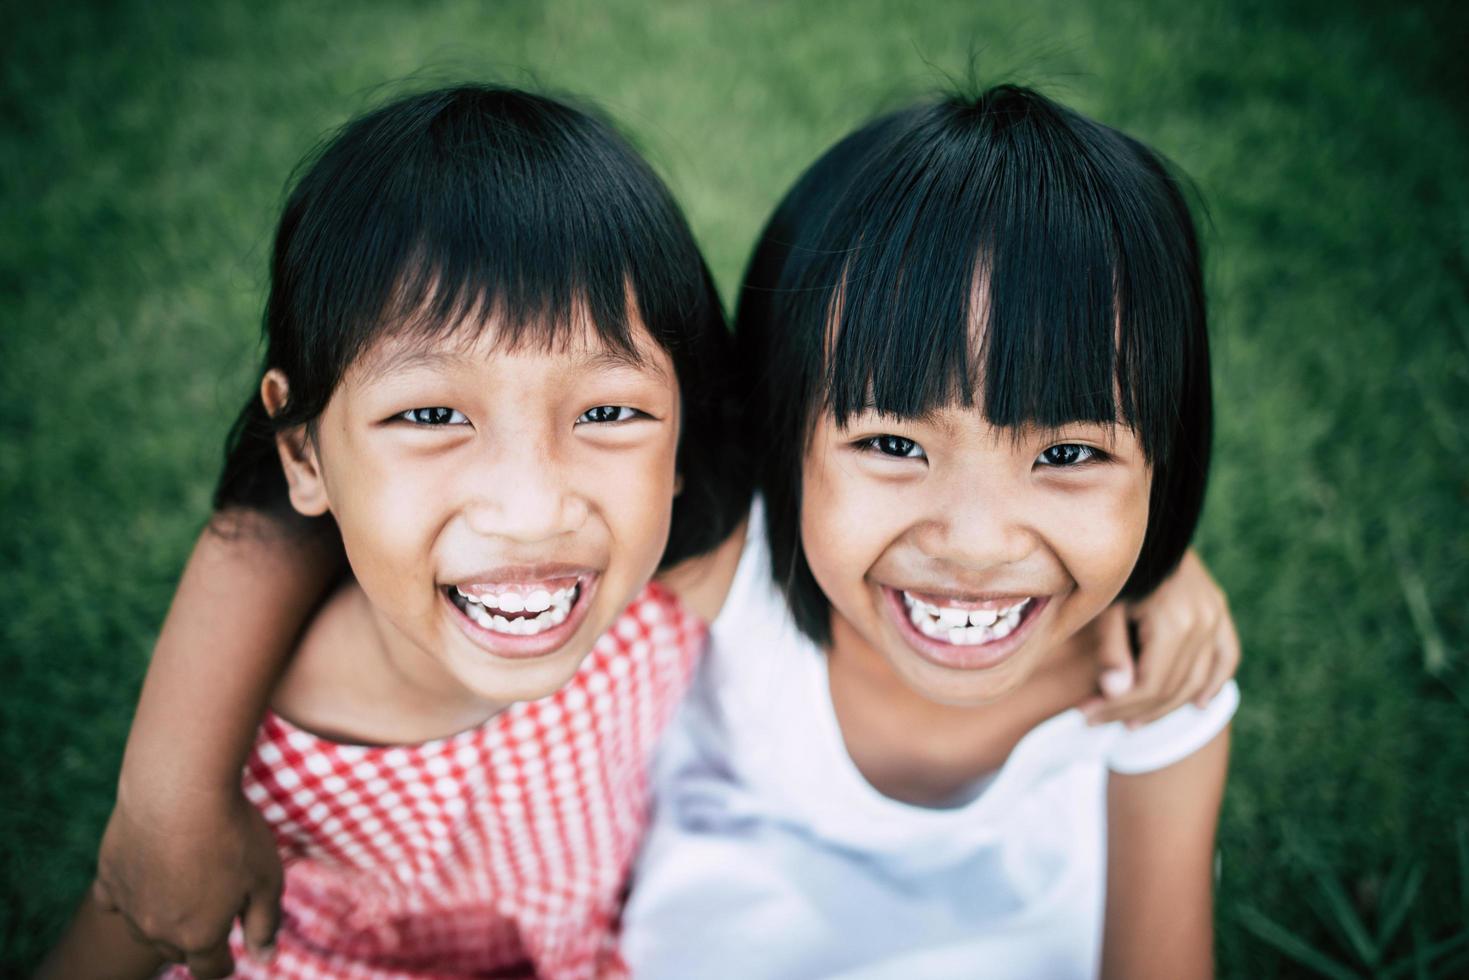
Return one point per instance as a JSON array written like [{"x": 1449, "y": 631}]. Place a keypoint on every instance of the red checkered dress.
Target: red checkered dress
[{"x": 500, "y": 851}]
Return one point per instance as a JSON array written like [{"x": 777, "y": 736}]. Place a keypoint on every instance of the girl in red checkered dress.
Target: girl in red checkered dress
[{"x": 493, "y": 365}]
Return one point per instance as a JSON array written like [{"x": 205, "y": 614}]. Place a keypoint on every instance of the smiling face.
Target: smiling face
[
  {"x": 499, "y": 508},
  {"x": 963, "y": 554}
]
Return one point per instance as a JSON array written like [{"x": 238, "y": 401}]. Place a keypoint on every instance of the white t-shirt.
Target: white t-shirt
[{"x": 771, "y": 856}]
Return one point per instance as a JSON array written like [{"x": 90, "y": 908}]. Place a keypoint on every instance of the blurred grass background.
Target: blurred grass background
[{"x": 144, "y": 149}]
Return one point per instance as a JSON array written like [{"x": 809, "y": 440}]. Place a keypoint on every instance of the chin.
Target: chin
[
  {"x": 520, "y": 682},
  {"x": 955, "y": 688}
]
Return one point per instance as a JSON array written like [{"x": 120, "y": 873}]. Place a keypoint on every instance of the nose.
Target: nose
[
  {"x": 520, "y": 491},
  {"x": 977, "y": 522}
]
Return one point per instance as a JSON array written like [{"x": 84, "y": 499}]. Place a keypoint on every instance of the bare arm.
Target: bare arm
[
  {"x": 99, "y": 946},
  {"x": 1160, "y": 868},
  {"x": 183, "y": 853}
]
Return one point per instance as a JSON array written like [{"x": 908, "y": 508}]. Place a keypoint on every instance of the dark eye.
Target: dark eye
[
  {"x": 608, "y": 413},
  {"x": 433, "y": 416},
  {"x": 1068, "y": 454},
  {"x": 896, "y": 446}
]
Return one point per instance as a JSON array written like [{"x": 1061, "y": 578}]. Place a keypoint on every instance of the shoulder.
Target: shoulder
[
  {"x": 320, "y": 688},
  {"x": 702, "y": 583}
]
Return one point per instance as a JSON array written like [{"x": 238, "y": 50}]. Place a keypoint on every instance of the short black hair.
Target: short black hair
[
  {"x": 860, "y": 294},
  {"x": 461, "y": 204}
]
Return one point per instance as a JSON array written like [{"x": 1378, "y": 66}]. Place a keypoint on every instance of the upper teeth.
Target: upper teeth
[
  {"x": 551, "y": 608},
  {"x": 963, "y": 627}
]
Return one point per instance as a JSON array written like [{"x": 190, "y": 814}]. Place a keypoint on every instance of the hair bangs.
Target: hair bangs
[
  {"x": 999, "y": 250},
  {"x": 479, "y": 207}
]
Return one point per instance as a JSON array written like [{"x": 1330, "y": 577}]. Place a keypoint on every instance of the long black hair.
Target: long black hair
[
  {"x": 439, "y": 211},
  {"x": 861, "y": 294}
]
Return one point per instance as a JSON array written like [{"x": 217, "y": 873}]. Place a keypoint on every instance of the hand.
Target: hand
[
  {"x": 180, "y": 871},
  {"x": 1187, "y": 643}
]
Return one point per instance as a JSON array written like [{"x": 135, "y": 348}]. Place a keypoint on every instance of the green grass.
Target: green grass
[{"x": 143, "y": 152}]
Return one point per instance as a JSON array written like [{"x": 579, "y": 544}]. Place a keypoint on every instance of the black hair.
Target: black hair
[
  {"x": 861, "y": 294},
  {"x": 476, "y": 202}
]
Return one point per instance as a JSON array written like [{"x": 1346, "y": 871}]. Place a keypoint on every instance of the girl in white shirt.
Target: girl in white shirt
[{"x": 974, "y": 334}]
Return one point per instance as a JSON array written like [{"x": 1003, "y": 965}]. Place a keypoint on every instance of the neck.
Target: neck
[
  {"x": 356, "y": 678},
  {"x": 925, "y": 752}
]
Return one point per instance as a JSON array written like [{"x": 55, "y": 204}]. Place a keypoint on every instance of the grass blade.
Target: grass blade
[
  {"x": 1396, "y": 903},
  {"x": 1345, "y": 918},
  {"x": 1420, "y": 611},
  {"x": 1283, "y": 941},
  {"x": 1424, "y": 955}
]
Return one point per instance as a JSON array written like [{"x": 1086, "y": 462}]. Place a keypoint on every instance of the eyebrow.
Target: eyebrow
[{"x": 613, "y": 357}]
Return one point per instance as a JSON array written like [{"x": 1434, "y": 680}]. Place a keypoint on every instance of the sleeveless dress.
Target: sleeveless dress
[{"x": 502, "y": 851}]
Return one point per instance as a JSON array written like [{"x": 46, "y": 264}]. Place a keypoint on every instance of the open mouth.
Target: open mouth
[
  {"x": 522, "y": 618},
  {"x": 963, "y": 625},
  {"x": 963, "y": 633},
  {"x": 516, "y": 612}
]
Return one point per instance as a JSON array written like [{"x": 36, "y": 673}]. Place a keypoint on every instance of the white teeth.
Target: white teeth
[
  {"x": 963, "y": 627},
  {"x": 554, "y": 608},
  {"x": 487, "y": 600},
  {"x": 983, "y": 617},
  {"x": 951, "y": 618},
  {"x": 550, "y": 609}
]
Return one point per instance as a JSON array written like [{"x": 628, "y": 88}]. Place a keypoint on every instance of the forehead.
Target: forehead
[{"x": 577, "y": 347}]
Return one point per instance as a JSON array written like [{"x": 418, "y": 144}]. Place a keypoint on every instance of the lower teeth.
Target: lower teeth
[{"x": 521, "y": 625}]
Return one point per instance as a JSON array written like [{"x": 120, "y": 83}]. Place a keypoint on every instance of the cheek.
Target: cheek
[
  {"x": 843, "y": 523},
  {"x": 1100, "y": 534},
  {"x": 633, "y": 491},
  {"x": 388, "y": 516}
]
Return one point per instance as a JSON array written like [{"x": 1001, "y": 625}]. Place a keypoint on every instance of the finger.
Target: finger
[
  {"x": 1192, "y": 655},
  {"x": 261, "y": 918},
  {"x": 1195, "y": 657},
  {"x": 1168, "y": 650},
  {"x": 1114, "y": 653},
  {"x": 212, "y": 962},
  {"x": 166, "y": 951},
  {"x": 1114, "y": 662},
  {"x": 1166, "y": 654},
  {"x": 1226, "y": 661},
  {"x": 1185, "y": 693}
]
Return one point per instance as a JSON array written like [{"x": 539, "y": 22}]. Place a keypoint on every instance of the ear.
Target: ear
[{"x": 297, "y": 451}]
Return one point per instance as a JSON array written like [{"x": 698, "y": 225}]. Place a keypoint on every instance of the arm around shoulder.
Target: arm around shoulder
[
  {"x": 1160, "y": 867},
  {"x": 183, "y": 852}
]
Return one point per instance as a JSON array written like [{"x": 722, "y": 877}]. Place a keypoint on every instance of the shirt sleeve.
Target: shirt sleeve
[{"x": 1175, "y": 736}]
